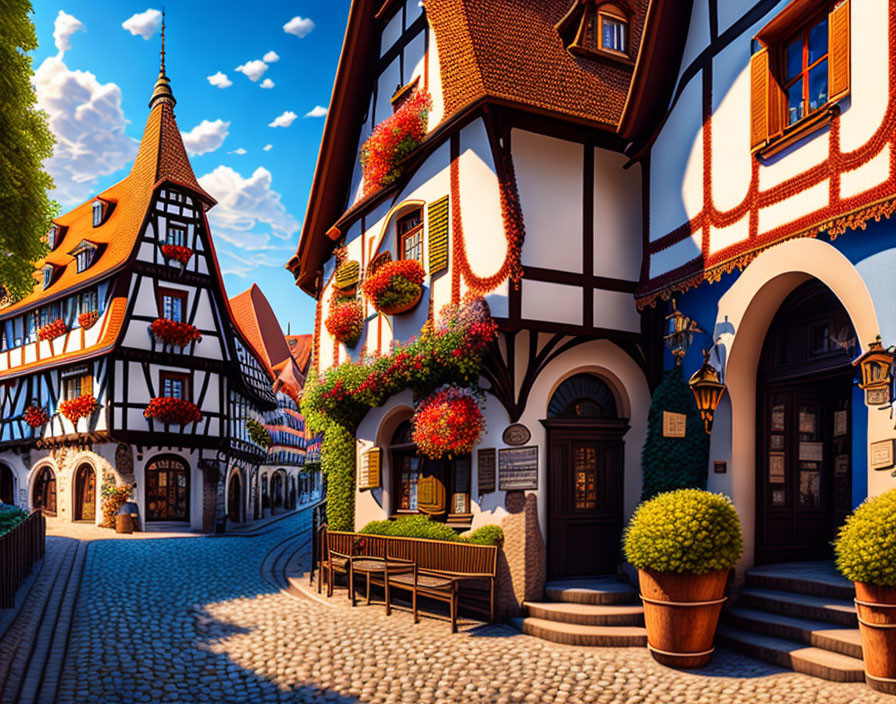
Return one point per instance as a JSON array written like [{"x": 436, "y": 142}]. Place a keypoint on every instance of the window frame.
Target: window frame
[
  {"x": 606, "y": 11},
  {"x": 99, "y": 212},
  {"x": 170, "y": 229},
  {"x": 802, "y": 34},
  {"x": 185, "y": 378},
  {"x": 402, "y": 237},
  {"x": 172, "y": 293},
  {"x": 78, "y": 374}
]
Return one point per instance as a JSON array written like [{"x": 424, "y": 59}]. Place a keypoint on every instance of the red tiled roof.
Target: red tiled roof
[{"x": 300, "y": 346}]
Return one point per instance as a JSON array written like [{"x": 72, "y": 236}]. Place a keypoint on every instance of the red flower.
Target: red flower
[
  {"x": 173, "y": 411},
  {"x": 345, "y": 321},
  {"x": 88, "y": 319},
  {"x": 449, "y": 422},
  {"x": 177, "y": 253},
  {"x": 172, "y": 332},
  {"x": 36, "y": 416},
  {"x": 52, "y": 330},
  {"x": 396, "y": 284},
  {"x": 79, "y": 407}
]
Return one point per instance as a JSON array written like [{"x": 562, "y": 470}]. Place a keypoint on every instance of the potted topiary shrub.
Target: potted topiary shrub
[
  {"x": 866, "y": 554},
  {"x": 684, "y": 543}
]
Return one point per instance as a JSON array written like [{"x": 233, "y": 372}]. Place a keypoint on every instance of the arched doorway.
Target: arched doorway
[
  {"x": 7, "y": 485},
  {"x": 85, "y": 493},
  {"x": 234, "y": 497},
  {"x": 167, "y": 489},
  {"x": 803, "y": 405},
  {"x": 585, "y": 478},
  {"x": 278, "y": 489},
  {"x": 44, "y": 494}
]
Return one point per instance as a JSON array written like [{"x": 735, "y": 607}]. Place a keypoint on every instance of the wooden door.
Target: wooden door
[
  {"x": 45, "y": 492},
  {"x": 804, "y": 486},
  {"x": 234, "y": 498},
  {"x": 167, "y": 491},
  {"x": 7, "y": 490},
  {"x": 85, "y": 494},
  {"x": 585, "y": 477}
]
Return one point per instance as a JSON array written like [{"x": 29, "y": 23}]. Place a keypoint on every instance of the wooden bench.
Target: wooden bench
[{"x": 446, "y": 571}]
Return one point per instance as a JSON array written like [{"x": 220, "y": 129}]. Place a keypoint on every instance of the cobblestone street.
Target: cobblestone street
[{"x": 198, "y": 620}]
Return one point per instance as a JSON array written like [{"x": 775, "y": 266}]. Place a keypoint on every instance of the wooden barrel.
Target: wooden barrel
[
  {"x": 681, "y": 612},
  {"x": 123, "y": 523},
  {"x": 876, "y": 607}
]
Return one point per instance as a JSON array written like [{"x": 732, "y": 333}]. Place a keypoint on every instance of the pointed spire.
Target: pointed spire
[{"x": 162, "y": 91}]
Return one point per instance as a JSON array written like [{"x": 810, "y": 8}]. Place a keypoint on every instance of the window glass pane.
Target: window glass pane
[
  {"x": 795, "y": 58},
  {"x": 795, "y": 102},
  {"x": 613, "y": 35},
  {"x": 172, "y": 308},
  {"x": 818, "y": 86},
  {"x": 818, "y": 41}
]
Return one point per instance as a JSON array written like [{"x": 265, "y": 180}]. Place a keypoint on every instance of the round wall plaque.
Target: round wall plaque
[{"x": 516, "y": 434}]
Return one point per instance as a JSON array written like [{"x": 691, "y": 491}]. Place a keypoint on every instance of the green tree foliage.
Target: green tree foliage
[
  {"x": 674, "y": 463},
  {"x": 25, "y": 141}
]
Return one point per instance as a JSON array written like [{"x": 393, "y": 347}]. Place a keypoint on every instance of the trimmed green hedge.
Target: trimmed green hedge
[
  {"x": 10, "y": 517},
  {"x": 866, "y": 545},
  {"x": 337, "y": 456},
  {"x": 688, "y": 530},
  {"x": 427, "y": 529}
]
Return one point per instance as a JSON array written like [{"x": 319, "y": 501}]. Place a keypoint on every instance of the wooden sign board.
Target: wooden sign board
[
  {"x": 877, "y": 396},
  {"x": 516, "y": 434},
  {"x": 882, "y": 455},
  {"x": 518, "y": 468},
  {"x": 674, "y": 424},
  {"x": 369, "y": 469},
  {"x": 486, "y": 464}
]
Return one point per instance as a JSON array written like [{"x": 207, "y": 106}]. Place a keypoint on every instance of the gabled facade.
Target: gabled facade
[{"x": 125, "y": 365}]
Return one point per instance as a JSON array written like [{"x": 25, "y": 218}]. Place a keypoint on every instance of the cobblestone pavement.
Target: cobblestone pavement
[{"x": 187, "y": 620}]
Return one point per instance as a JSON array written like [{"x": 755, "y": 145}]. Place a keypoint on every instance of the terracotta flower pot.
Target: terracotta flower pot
[
  {"x": 877, "y": 623},
  {"x": 681, "y": 612},
  {"x": 399, "y": 309}
]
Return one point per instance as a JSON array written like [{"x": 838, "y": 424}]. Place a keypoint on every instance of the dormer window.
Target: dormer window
[
  {"x": 613, "y": 30},
  {"x": 597, "y": 30},
  {"x": 101, "y": 210},
  {"x": 49, "y": 270},
  {"x": 54, "y": 236},
  {"x": 84, "y": 255}
]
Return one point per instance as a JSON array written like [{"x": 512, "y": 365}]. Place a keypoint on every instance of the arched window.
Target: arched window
[
  {"x": 583, "y": 396},
  {"x": 167, "y": 489},
  {"x": 44, "y": 495}
]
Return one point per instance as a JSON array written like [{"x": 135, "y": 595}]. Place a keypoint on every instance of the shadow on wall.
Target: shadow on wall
[{"x": 521, "y": 562}]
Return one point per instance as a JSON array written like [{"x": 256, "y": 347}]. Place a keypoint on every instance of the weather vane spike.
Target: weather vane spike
[{"x": 163, "y": 40}]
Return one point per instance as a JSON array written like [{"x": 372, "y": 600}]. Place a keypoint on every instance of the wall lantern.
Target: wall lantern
[
  {"x": 708, "y": 390},
  {"x": 680, "y": 331},
  {"x": 876, "y": 365}
]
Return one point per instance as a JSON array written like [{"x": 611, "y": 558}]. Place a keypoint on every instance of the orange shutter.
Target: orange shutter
[
  {"x": 430, "y": 495},
  {"x": 838, "y": 49},
  {"x": 86, "y": 384},
  {"x": 760, "y": 79},
  {"x": 776, "y": 105}
]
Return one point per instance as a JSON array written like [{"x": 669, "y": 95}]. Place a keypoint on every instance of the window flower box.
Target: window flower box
[
  {"x": 396, "y": 287},
  {"x": 173, "y": 332},
  {"x": 88, "y": 319},
  {"x": 177, "y": 253},
  {"x": 449, "y": 422},
  {"x": 36, "y": 416},
  {"x": 51, "y": 331},
  {"x": 173, "y": 411},
  {"x": 346, "y": 320},
  {"x": 77, "y": 408}
]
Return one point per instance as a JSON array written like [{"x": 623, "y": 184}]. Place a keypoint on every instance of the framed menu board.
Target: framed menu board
[
  {"x": 518, "y": 468},
  {"x": 486, "y": 461},
  {"x": 369, "y": 469}
]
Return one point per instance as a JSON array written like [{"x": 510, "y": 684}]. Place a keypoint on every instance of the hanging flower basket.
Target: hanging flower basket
[
  {"x": 393, "y": 140},
  {"x": 450, "y": 422},
  {"x": 396, "y": 287},
  {"x": 36, "y": 416},
  {"x": 88, "y": 319},
  {"x": 177, "y": 253},
  {"x": 78, "y": 408},
  {"x": 172, "y": 332},
  {"x": 51, "y": 331},
  {"x": 346, "y": 320},
  {"x": 173, "y": 411}
]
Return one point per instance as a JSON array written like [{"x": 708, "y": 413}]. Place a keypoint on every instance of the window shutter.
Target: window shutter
[
  {"x": 838, "y": 59},
  {"x": 760, "y": 80},
  {"x": 430, "y": 495},
  {"x": 86, "y": 384},
  {"x": 438, "y": 235}
]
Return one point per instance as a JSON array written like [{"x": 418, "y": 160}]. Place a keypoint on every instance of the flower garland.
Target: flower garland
[
  {"x": 173, "y": 332},
  {"x": 393, "y": 140},
  {"x": 36, "y": 416},
  {"x": 51, "y": 331},
  {"x": 449, "y": 422},
  {"x": 88, "y": 319},
  {"x": 173, "y": 411},
  {"x": 346, "y": 320},
  {"x": 259, "y": 434},
  {"x": 177, "y": 253},
  {"x": 396, "y": 286},
  {"x": 77, "y": 408},
  {"x": 114, "y": 497}
]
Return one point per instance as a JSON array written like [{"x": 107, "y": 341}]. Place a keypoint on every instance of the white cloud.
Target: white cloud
[
  {"x": 300, "y": 26},
  {"x": 143, "y": 24},
  {"x": 88, "y": 122},
  {"x": 271, "y": 57},
  {"x": 253, "y": 70},
  {"x": 317, "y": 111},
  {"x": 284, "y": 120},
  {"x": 239, "y": 151},
  {"x": 266, "y": 83},
  {"x": 220, "y": 80},
  {"x": 267, "y": 147},
  {"x": 63, "y": 28},
  {"x": 206, "y": 137},
  {"x": 249, "y": 214}
]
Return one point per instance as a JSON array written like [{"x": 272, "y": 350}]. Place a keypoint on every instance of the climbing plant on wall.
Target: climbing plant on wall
[{"x": 670, "y": 462}]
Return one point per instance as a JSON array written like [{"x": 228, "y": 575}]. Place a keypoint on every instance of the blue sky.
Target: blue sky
[{"x": 94, "y": 77}]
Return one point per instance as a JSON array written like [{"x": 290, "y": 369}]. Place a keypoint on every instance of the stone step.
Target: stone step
[
  {"x": 577, "y": 634},
  {"x": 795, "y": 656},
  {"x": 836, "y": 611},
  {"x": 587, "y": 614},
  {"x": 846, "y": 641},
  {"x": 810, "y": 578},
  {"x": 591, "y": 590}
]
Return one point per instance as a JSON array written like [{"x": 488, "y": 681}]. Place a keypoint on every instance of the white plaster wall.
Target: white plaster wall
[
  {"x": 731, "y": 158},
  {"x": 698, "y": 34},
  {"x": 616, "y": 310},
  {"x": 557, "y": 303},
  {"x": 389, "y": 80},
  {"x": 435, "y": 82},
  {"x": 391, "y": 33},
  {"x": 617, "y": 217},
  {"x": 677, "y": 255}
]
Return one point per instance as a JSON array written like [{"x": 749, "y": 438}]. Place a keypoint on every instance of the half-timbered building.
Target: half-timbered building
[{"x": 124, "y": 365}]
